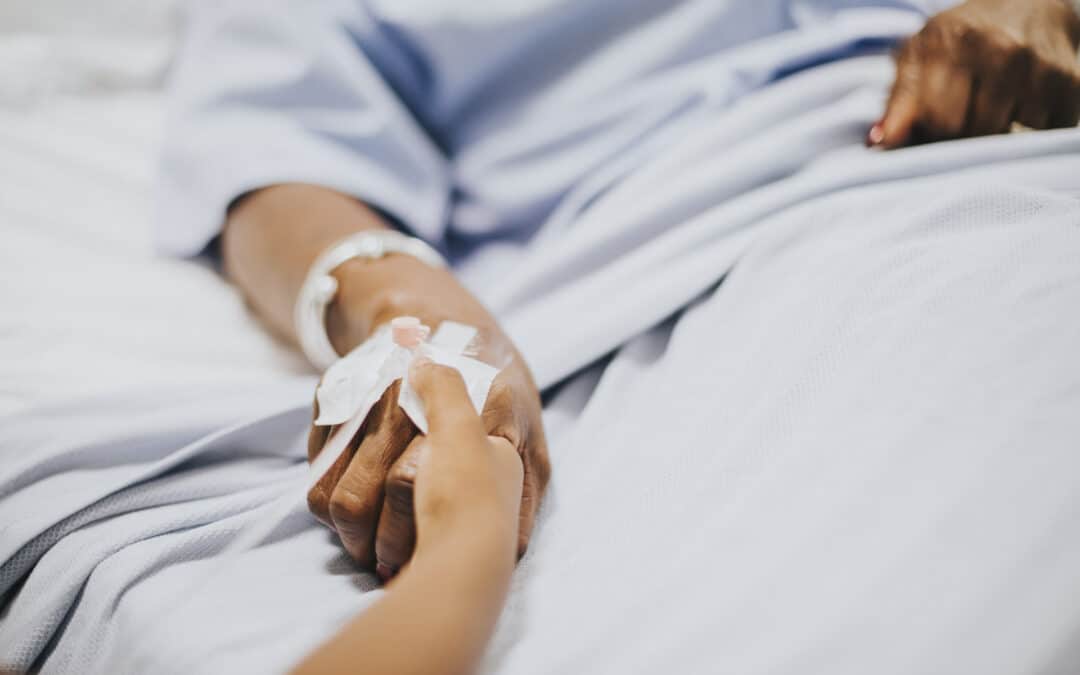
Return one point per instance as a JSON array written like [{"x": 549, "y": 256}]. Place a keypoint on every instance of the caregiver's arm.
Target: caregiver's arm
[{"x": 977, "y": 68}]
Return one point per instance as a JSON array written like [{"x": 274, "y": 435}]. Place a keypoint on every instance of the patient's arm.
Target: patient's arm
[
  {"x": 271, "y": 238},
  {"x": 982, "y": 65},
  {"x": 273, "y": 235},
  {"x": 437, "y": 615}
]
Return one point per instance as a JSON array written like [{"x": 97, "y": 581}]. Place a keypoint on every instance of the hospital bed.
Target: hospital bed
[{"x": 778, "y": 550}]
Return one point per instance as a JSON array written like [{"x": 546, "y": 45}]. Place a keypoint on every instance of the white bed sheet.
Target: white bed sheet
[
  {"x": 792, "y": 551},
  {"x": 89, "y": 308}
]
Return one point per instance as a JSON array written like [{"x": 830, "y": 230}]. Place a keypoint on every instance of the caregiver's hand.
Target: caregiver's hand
[
  {"x": 468, "y": 485},
  {"x": 468, "y": 489},
  {"x": 977, "y": 68},
  {"x": 368, "y": 496}
]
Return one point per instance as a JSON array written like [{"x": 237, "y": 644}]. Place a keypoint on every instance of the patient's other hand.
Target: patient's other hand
[{"x": 977, "y": 68}]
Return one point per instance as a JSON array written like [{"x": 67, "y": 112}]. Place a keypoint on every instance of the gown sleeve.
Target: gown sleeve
[{"x": 275, "y": 91}]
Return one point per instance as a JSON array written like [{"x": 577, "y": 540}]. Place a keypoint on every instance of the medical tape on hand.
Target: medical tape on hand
[{"x": 355, "y": 383}]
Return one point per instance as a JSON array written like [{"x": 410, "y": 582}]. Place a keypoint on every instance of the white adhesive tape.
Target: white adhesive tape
[{"x": 355, "y": 383}]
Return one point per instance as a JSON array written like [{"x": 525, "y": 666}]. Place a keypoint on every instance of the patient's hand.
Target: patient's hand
[
  {"x": 977, "y": 68},
  {"x": 367, "y": 497}
]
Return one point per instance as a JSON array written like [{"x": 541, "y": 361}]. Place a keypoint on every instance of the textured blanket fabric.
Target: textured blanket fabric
[{"x": 819, "y": 416}]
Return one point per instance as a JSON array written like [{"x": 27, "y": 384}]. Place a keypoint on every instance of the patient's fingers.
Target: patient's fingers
[
  {"x": 945, "y": 97},
  {"x": 902, "y": 110},
  {"x": 976, "y": 68},
  {"x": 1056, "y": 90},
  {"x": 317, "y": 435},
  {"x": 1066, "y": 111},
  {"x": 396, "y": 535},
  {"x": 357, "y": 498},
  {"x": 318, "y": 497}
]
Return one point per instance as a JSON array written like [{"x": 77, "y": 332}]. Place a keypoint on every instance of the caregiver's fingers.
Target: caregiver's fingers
[
  {"x": 466, "y": 478},
  {"x": 450, "y": 413},
  {"x": 358, "y": 496},
  {"x": 395, "y": 538}
]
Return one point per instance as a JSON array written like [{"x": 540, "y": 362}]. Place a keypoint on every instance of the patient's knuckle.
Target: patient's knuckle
[
  {"x": 500, "y": 415},
  {"x": 939, "y": 36},
  {"x": 934, "y": 29},
  {"x": 347, "y": 506},
  {"x": 538, "y": 465},
  {"x": 399, "y": 482},
  {"x": 319, "y": 503},
  {"x": 1057, "y": 81},
  {"x": 966, "y": 37},
  {"x": 505, "y": 429},
  {"x": 1019, "y": 59},
  {"x": 316, "y": 441},
  {"x": 399, "y": 490},
  {"x": 906, "y": 54},
  {"x": 999, "y": 41}
]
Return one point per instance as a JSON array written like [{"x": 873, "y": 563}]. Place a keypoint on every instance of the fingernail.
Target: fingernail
[
  {"x": 876, "y": 135},
  {"x": 385, "y": 572}
]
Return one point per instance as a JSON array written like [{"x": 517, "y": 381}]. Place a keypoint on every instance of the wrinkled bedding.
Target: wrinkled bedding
[{"x": 819, "y": 413}]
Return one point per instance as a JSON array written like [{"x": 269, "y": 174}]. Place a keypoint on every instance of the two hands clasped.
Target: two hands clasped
[
  {"x": 468, "y": 484},
  {"x": 395, "y": 489},
  {"x": 466, "y": 495},
  {"x": 374, "y": 496}
]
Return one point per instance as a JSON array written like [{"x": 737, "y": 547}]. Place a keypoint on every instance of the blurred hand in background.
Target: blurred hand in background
[{"x": 976, "y": 69}]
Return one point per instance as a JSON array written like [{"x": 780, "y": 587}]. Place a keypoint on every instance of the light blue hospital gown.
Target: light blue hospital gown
[{"x": 816, "y": 410}]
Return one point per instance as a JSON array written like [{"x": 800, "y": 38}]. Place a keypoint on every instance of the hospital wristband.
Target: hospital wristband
[{"x": 320, "y": 286}]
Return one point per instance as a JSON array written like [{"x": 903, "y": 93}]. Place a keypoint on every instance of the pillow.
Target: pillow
[
  {"x": 50, "y": 47},
  {"x": 142, "y": 18}
]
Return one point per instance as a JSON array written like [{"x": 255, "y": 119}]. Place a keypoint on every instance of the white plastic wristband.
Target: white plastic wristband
[{"x": 320, "y": 287}]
